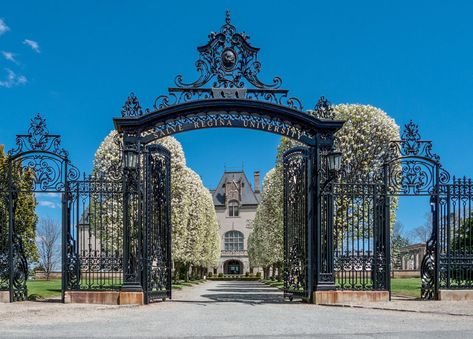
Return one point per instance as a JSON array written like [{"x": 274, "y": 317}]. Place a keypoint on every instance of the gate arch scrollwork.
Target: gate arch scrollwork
[
  {"x": 413, "y": 169},
  {"x": 38, "y": 164}
]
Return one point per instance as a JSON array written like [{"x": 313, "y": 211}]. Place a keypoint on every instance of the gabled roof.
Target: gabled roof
[{"x": 248, "y": 196}]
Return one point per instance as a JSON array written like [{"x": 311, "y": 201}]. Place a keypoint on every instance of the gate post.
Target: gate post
[
  {"x": 131, "y": 186},
  {"x": 323, "y": 209}
]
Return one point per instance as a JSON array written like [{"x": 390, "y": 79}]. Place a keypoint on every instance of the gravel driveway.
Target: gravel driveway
[{"x": 227, "y": 309}]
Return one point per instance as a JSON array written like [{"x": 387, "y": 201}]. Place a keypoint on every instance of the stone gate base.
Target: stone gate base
[
  {"x": 455, "y": 295},
  {"x": 345, "y": 297},
  {"x": 104, "y": 297},
  {"x": 4, "y": 296}
]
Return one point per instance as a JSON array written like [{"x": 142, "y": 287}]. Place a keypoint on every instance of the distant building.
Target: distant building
[
  {"x": 411, "y": 257},
  {"x": 235, "y": 203}
]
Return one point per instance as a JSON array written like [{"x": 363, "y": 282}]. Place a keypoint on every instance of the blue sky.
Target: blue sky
[{"x": 412, "y": 59}]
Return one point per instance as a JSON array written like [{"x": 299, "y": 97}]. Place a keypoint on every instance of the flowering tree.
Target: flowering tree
[
  {"x": 363, "y": 140},
  {"x": 195, "y": 241},
  {"x": 265, "y": 244}
]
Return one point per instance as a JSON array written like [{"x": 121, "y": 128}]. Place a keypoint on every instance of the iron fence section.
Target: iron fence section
[{"x": 455, "y": 244}]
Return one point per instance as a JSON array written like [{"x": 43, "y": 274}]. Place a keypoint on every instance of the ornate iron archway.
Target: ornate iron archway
[
  {"x": 229, "y": 93},
  {"x": 116, "y": 231}
]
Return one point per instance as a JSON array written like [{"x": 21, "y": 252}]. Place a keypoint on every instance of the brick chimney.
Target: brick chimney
[{"x": 256, "y": 178}]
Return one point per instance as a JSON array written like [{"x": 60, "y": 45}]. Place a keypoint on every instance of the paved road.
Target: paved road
[{"x": 225, "y": 309}]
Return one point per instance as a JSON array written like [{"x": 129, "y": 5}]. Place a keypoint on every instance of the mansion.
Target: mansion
[{"x": 235, "y": 204}]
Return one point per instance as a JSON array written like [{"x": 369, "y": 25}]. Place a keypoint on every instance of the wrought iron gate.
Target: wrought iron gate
[
  {"x": 157, "y": 264},
  {"x": 93, "y": 235},
  {"x": 360, "y": 234},
  {"x": 297, "y": 228}
]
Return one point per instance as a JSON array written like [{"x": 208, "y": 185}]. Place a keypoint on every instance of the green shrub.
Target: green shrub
[
  {"x": 247, "y": 274},
  {"x": 220, "y": 275},
  {"x": 210, "y": 275},
  {"x": 258, "y": 274}
]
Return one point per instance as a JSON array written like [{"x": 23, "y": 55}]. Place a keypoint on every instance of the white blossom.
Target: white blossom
[
  {"x": 363, "y": 140},
  {"x": 195, "y": 239}
]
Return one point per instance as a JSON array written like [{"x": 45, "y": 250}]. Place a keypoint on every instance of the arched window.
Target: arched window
[
  {"x": 233, "y": 208},
  {"x": 233, "y": 241}
]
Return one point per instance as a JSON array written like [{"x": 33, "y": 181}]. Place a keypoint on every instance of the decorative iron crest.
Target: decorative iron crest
[
  {"x": 229, "y": 59},
  {"x": 38, "y": 139},
  {"x": 132, "y": 107},
  {"x": 411, "y": 144},
  {"x": 228, "y": 67},
  {"x": 324, "y": 109},
  {"x": 412, "y": 166},
  {"x": 42, "y": 153}
]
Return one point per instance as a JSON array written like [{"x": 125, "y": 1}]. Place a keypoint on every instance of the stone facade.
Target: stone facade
[
  {"x": 235, "y": 203},
  {"x": 411, "y": 257}
]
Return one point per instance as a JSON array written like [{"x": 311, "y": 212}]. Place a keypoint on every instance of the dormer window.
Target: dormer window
[{"x": 233, "y": 208}]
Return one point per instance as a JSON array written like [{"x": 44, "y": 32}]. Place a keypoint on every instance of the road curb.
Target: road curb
[{"x": 397, "y": 309}]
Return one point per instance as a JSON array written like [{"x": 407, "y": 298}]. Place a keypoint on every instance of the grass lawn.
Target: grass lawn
[
  {"x": 274, "y": 283},
  {"x": 404, "y": 287},
  {"x": 44, "y": 289},
  {"x": 407, "y": 287}
]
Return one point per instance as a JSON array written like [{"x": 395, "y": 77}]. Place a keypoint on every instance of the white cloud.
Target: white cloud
[
  {"x": 9, "y": 56},
  {"x": 49, "y": 204},
  {"x": 13, "y": 79},
  {"x": 33, "y": 44},
  {"x": 3, "y": 27}
]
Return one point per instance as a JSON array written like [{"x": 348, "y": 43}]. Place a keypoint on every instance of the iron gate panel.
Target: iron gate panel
[
  {"x": 296, "y": 167},
  {"x": 94, "y": 247},
  {"x": 361, "y": 235},
  {"x": 156, "y": 277}
]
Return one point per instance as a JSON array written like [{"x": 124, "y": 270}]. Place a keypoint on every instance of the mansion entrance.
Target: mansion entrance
[{"x": 233, "y": 267}]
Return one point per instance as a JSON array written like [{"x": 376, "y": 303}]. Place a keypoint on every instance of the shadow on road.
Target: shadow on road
[{"x": 241, "y": 292}]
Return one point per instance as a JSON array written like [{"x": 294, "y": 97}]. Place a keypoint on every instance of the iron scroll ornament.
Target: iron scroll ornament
[
  {"x": 228, "y": 67},
  {"x": 41, "y": 152},
  {"x": 412, "y": 168}
]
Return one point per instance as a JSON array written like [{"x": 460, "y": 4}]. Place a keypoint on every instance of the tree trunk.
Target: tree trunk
[
  {"x": 187, "y": 268},
  {"x": 177, "y": 270},
  {"x": 266, "y": 272}
]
